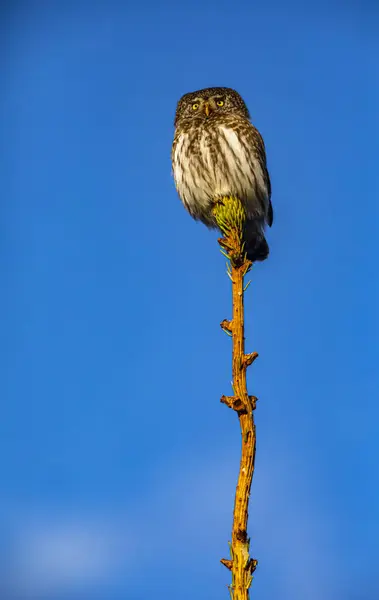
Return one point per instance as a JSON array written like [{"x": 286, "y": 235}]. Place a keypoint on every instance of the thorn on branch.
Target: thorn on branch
[
  {"x": 227, "y": 563},
  {"x": 253, "y": 401},
  {"x": 234, "y": 403},
  {"x": 248, "y": 359},
  {"x": 251, "y": 565},
  {"x": 226, "y": 325}
]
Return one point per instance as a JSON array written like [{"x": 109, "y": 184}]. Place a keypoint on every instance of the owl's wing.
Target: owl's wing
[
  {"x": 270, "y": 210},
  {"x": 261, "y": 152}
]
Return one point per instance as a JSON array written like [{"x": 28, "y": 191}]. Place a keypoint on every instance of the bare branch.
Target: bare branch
[{"x": 230, "y": 217}]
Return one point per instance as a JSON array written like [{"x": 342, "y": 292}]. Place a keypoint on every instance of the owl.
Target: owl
[{"x": 218, "y": 152}]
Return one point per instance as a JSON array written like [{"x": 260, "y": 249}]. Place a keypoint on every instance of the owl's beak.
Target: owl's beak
[{"x": 207, "y": 109}]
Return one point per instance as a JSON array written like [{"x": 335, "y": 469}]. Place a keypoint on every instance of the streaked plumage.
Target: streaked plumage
[{"x": 218, "y": 152}]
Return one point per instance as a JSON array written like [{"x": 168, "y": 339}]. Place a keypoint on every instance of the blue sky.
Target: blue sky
[{"x": 118, "y": 462}]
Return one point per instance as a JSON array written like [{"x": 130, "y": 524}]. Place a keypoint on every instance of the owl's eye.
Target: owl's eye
[
  {"x": 195, "y": 106},
  {"x": 220, "y": 103}
]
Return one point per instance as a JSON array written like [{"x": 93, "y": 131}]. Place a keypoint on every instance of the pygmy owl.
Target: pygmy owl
[{"x": 218, "y": 152}]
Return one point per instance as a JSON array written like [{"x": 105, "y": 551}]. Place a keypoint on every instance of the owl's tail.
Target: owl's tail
[{"x": 255, "y": 241}]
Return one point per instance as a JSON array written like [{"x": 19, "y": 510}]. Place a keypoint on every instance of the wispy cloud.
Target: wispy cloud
[
  {"x": 187, "y": 509},
  {"x": 50, "y": 554}
]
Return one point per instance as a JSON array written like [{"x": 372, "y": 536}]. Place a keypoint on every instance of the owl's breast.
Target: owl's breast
[
  {"x": 216, "y": 160},
  {"x": 193, "y": 173}
]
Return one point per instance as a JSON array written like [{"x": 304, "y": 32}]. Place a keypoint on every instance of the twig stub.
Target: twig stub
[
  {"x": 226, "y": 325},
  {"x": 248, "y": 359}
]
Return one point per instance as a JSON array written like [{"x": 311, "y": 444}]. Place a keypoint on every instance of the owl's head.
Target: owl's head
[{"x": 209, "y": 102}]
